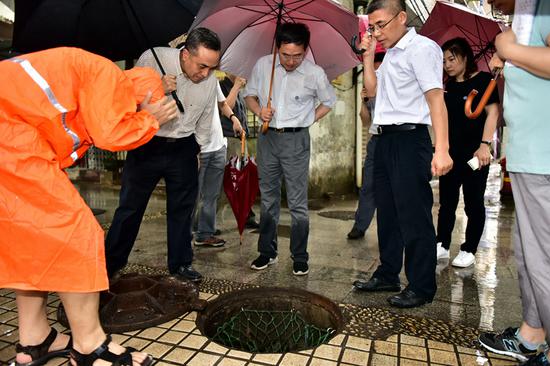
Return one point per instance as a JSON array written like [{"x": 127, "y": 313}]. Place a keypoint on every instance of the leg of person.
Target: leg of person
[
  {"x": 142, "y": 172},
  {"x": 212, "y": 178},
  {"x": 449, "y": 193},
  {"x": 367, "y": 205},
  {"x": 181, "y": 176},
  {"x": 390, "y": 242},
  {"x": 203, "y": 163},
  {"x": 38, "y": 342},
  {"x": 532, "y": 209},
  {"x": 89, "y": 339},
  {"x": 270, "y": 173},
  {"x": 295, "y": 152},
  {"x": 473, "y": 187},
  {"x": 409, "y": 161}
]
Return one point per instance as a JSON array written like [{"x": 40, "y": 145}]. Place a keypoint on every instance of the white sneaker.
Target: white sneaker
[
  {"x": 464, "y": 259},
  {"x": 442, "y": 253}
]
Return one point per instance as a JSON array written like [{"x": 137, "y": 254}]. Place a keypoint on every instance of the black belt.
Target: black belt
[
  {"x": 286, "y": 129},
  {"x": 167, "y": 139},
  {"x": 382, "y": 129}
]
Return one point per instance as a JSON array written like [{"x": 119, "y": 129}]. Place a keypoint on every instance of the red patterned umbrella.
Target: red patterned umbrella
[{"x": 240, "y": 183}]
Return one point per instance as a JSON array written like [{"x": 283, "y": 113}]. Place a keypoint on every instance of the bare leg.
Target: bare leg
[
  {"x": 82, "y": 310},
  {"x": 33, "y": 322},
  {"x": 532, "y": 335}
]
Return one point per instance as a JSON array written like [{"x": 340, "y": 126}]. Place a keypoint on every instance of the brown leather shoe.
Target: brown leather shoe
[{"x": 210, "y": 242}]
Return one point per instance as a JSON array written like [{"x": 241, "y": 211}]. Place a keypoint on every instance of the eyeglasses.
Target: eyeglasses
[
  {"x": 379, "y": 27},
  {"x": 292, "y": 57}
]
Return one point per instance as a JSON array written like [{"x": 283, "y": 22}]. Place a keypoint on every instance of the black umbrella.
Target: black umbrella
[
  {"x": 116, "y": 29},
  {"x": 105, "y": 27}
]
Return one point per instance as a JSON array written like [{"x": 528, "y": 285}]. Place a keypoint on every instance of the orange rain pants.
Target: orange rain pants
[{"x": 54, "y": 104}]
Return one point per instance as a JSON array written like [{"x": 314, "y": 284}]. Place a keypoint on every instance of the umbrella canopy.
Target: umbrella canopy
[
  {"x": 448, "y": 20},
  {"x": 247, "y": 31},
  {"x": 105, "y": 27},
  {"x": 240, "y": 183}
]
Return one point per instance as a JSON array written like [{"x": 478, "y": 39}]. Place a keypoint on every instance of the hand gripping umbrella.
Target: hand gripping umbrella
[{"x": 247, "y": 30}]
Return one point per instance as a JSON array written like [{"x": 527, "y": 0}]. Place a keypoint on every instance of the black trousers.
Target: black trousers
[
  {"x": 404, "y": 199},
  {"x": 175, "y": 160},
  {"x": 473, "y": 184}
]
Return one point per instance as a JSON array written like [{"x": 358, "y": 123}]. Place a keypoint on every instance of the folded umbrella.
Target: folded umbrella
[{"x": 241, "y": 185}]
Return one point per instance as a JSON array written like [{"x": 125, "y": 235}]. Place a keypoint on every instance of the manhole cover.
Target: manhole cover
[
  {"x": 137, "y": 301},
  {"x": 340, "y": 215},
  {"x": 270, "y": 320}
]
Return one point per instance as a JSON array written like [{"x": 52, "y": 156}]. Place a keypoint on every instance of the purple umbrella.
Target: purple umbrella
[{"x": 247, "y": 31}]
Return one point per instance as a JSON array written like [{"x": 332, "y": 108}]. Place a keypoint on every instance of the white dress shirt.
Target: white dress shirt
[
  {"x": 217, "y": 140},
  {"x": 295, "y": 93},
  {"x": 410, "y": 68},
  {"x": 198, "y": 99}
]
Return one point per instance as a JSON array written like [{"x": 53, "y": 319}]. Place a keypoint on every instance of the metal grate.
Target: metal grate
[{"x": 263, "y": 331}]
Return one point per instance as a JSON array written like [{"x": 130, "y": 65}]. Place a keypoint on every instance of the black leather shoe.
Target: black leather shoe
[
  {"x": 251, "y": 224},
  {"x": 355, "y": 234},
  {"x": 407, "y": 299},
  {"x": 376, "y": 284},
  {"x": 187, "y": 273}
]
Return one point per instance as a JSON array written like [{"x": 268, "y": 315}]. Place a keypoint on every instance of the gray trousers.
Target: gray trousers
[
  {"x": 212, "y": 165},
  {"x": 367, "y": 204},
  {"x": 284, "y": 155},
  {"x": 532, "y": 246}
]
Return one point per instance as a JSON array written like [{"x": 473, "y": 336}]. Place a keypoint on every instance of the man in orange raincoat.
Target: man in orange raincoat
[{"x": 54, "y": 105}]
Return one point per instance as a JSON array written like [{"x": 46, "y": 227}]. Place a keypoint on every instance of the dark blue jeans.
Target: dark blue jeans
[
  {"x": 175, "y": 160},
  {"x": 367, "y": 204}
]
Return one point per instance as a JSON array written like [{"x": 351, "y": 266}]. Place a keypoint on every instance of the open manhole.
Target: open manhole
[
  {"x": 137, "y": 301},
  {"x": 270, "y": 320}
]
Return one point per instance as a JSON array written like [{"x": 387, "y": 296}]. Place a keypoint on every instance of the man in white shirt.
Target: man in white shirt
[
  {"x": 171, "y": 154},
  {"x": 212, "y": 164},
  {"x": 409, "y": 97},
  {"x": 283, "y": 152}
]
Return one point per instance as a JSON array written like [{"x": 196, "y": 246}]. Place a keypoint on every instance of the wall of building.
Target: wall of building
[{"x": 332, "y": 169}]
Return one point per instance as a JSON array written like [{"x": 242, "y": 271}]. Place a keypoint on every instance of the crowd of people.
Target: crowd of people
[{"x": 59, "y": 102}]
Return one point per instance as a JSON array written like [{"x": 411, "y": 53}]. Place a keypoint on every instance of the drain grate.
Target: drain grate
[
  {"x": 340, "y": 215},
  {"x": 270, "y": 320},
  {"x": 270, "y": 331}
]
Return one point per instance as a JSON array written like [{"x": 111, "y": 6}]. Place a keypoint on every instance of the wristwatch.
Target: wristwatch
[{"x": 488, "y": 143}]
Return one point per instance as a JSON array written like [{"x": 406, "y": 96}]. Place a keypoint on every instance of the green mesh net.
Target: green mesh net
[{"x": 262, "y": 331}]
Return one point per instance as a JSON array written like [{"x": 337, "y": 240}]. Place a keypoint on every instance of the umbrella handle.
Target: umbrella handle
[
  {"x": 354, "y": 47},
  {"x": 484, "y": 98},
  {"x": 243, "y": 143}
]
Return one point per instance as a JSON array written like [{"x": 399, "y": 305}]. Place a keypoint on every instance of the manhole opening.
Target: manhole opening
[{"x": 270, "y": 320}]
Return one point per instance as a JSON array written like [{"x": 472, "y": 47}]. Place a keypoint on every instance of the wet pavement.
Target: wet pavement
[{"x": 482, "y": 297}]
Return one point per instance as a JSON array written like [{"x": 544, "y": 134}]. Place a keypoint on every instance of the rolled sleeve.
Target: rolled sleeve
[
  {"x": 427, "y": 63},
  {"x": 325, "y": 91},
  {"x": 252, "y": 87}
]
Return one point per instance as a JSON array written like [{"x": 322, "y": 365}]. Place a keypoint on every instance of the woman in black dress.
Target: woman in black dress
[{"x": 468, "y": 138}]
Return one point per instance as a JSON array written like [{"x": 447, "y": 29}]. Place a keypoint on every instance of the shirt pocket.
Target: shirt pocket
[{"x": 301, "y": 95}]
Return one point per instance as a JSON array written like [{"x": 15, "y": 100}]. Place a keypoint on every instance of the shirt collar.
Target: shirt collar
[{"x": 406, "y": 39}]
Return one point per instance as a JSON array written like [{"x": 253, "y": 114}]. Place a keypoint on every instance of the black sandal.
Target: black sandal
[
  {"x": 102, "y": 353},
  {"x": 39, "y": 353}
]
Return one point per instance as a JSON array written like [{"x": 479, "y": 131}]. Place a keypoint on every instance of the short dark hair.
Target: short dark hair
[
  {"x": 460, "y": 47},
  {"x": 202, "y": 37},
  {"x": 297, "y": 33},
  {"x": 395, "y": 5}
]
